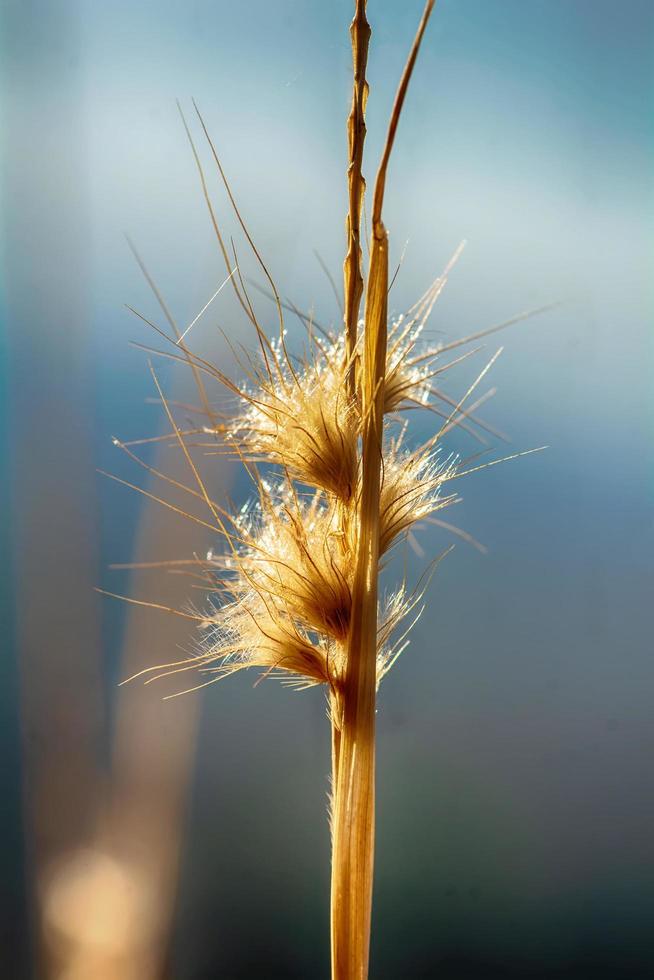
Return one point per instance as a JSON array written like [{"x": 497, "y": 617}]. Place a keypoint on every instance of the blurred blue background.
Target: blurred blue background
[{"x": 516, "y": 798}]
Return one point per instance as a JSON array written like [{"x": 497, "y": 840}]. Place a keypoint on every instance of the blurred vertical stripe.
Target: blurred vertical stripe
[{"x": 53, "y": 518}]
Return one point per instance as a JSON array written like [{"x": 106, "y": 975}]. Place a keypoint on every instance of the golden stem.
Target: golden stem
[
  {"x": 353, "y": 816},
  {"x": 354, "y": 798},
  {"x": 356, "y": 132}
]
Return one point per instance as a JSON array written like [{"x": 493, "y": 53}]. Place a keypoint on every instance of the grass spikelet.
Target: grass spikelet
[
  {"x": 302, "y": 419},
  {"x": 293, "y": 592},
  {"x": 410, "y": 490}
]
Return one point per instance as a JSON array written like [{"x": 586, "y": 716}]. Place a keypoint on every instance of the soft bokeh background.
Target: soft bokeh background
[{"x": 188, "y": 839}]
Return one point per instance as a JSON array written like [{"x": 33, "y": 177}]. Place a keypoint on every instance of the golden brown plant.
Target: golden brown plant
[{"x": 294, "y": 592}]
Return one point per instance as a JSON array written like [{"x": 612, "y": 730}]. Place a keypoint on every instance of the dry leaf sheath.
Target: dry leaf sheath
[{"x": 294, "y": 589}]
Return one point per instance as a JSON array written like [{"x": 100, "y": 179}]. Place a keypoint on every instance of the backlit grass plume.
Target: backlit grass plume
[{"x": 293, "y": 591}]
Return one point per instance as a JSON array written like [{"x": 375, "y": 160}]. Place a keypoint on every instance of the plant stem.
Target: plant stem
[
  {"x": 353, "y": 713},
  {"x": 354, "y": 799},
  {"x": 356, "y": 133}
]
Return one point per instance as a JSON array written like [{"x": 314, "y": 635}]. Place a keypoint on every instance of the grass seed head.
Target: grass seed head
[{"x": 301, "y": 419}]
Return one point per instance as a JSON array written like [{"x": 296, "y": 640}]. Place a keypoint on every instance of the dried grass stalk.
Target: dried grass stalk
[
  {"x": 295, "y": 590},
  {"x": 356, "y": 132},
  {"x": 354, "y": 797}
]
